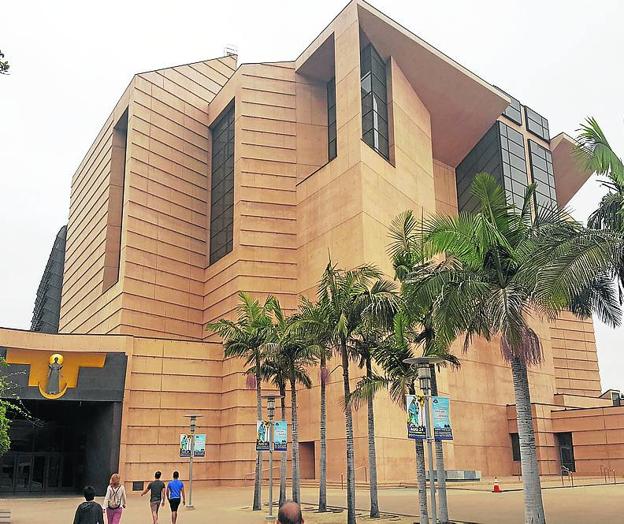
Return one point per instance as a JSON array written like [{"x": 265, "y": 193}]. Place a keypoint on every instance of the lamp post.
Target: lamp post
[
  {"x": 193, "y": 426},
  {"x": 423, "y": 369},
  {"x": 270, "y": 398}
]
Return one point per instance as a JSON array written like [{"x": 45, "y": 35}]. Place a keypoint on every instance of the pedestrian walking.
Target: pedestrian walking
[
  {"x": 157, "y": 495},
  {"x": 115, "y": 500},
  {"x": 175, "y": 495},
  {"x": 89, "y": 512}
]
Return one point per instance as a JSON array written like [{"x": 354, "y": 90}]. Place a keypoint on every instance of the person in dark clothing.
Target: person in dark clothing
[
  {"x": 89, "y": 512},
  {"x": 157, "y": 495}
]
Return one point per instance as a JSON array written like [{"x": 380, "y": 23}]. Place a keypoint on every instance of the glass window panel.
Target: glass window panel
[
  {"x": 374, "y": 96},
  {"x": 222, "y": 184}
]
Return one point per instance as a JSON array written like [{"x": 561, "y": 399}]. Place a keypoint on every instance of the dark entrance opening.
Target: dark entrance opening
[
  {"x": 67, "y": 445},
  {"x": 566, "y": 450}
]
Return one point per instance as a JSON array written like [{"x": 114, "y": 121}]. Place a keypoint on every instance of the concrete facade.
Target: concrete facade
[{"x": 137, "y": 277}]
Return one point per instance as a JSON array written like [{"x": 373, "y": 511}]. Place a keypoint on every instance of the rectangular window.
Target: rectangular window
[
  {"x": 536, "y": 124},
  {"x": 515, "y": 447},
  {"x": 514, "y": 111},
  {"x": 543, "y": 176},
  {"x": 222, "y": 186},
  {"x": 514, "y": 164},
  {"x": 332, "y": 143},
  {"x": 566, "y": 451},
  {"x": 374, "y": 100},
  {"x": 112, "y": 248}
]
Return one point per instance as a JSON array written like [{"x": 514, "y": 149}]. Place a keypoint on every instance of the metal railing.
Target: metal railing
[
  {"x": 251, "y": 475},
  {"x": 355, "y": 474},
  {"x": 565, "y": 472},
  {"x": 608, "y": 473}
]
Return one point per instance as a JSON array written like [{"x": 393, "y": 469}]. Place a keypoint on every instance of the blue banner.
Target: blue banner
[
  {"x": 280, "y": 435},
  {"x": 441, "y": 414}
]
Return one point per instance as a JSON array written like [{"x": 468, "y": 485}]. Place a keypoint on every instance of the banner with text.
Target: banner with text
[
  {"x": 415, "y": 417},
  {"x": 441, "y": 414},
  {"x": 263, "y": 433},
  {"x": 280, "y": 435}
]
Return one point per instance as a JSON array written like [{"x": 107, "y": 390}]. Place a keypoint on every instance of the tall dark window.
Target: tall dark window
[
  {"x": 536, "y": 123},
  {"x": 514, "y": 164},
  {"x": 543, "y": 177},
  {"x": 374, "y": 100},
  {"x": 222, "y": 186},
  {"x": 331, "y": 120},
  {"x": 515, "y": 447}
]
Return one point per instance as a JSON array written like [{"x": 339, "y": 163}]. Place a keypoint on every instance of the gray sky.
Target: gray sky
[{"x": 70, "y": 62}]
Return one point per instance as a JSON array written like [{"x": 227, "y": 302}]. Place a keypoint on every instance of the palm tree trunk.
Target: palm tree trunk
[
  {"x": 323, "y": 444},
  {"x": 296, "y": 488},
  {"x": 421, "y": 476},
  {"x": 349, "y": 436},
  {"x": 284, "y": 458},
  {"x": 257, "y": 500},
  {"x": 440, "y": 469},
  {"x": 372, "y": 454},
  {"x": 533, "y": 505}
]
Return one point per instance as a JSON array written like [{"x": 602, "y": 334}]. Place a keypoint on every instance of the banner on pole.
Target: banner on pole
[
  {"x": 441, "y": 414},
  {"x": 262, "y": 435},
  {"x": 415, "y": 418},
  {"x": 199, "y": 450},
  {"x": 280, "y": 435}
]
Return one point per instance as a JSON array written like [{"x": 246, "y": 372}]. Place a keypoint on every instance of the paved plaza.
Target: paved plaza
[{"x": 600, "y": 503}]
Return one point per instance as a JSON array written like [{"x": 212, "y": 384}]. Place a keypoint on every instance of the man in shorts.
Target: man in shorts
[
  {"x": 157, "y": 495},
  {"x": 175, "y": 494}
]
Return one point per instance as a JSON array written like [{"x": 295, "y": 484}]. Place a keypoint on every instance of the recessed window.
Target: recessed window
[
  {"x": 543, "y": 176},
  {"x": 222, "y": 186},
  {"x": 332, "y": 143},
  {"x": 112, "y": 257},
  {"x": 536, "y": 123},
  {"x": 515, "y": 447},
  {"x": 374, "y": 100}
]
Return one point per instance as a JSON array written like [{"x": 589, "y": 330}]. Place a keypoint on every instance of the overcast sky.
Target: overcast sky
[{"x": 70, "y": 62}]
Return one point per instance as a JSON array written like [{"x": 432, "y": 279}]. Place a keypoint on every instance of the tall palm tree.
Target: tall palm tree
[
  {"x": 294, "y": 353},
  {"x": 352, "y": 296},
  {"x": 411, "y": 268},
  {"x": 502, "y": 268},
  {"x": 400, "y": 379},
  {"x": 371, "y": 337},
  {"x": 245, "y": 338},
  {"x": 272, "y": 370},
  {"x": 596, "y": 153},
  {"x": 313, "y": 319}
]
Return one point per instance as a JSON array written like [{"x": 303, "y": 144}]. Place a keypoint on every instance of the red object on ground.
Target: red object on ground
[{"x": 496, "y": 488}]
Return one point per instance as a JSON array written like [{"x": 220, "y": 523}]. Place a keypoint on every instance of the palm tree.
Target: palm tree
[
  {"x": 313, "y": 319},
  {"x": 502, "y": 267},
  {"x": 370, "y": 339},
  {"x": 245, "y": 338},
  {"x": 598, "y": 156},
  {"x": 351, "y": 297},
  {"x": 293, "y": 352},
  {"x": 411, "y": 268},
  {"x": 272, "y": 370}
]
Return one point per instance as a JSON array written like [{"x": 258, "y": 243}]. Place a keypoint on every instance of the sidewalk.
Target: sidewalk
[{"x": 232, "y": 506}]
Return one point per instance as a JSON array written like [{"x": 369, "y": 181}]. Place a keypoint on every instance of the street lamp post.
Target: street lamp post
[
  {"x": 270, "y": 397},
  {"x": 423, "y": 369},
  {"x": 193, "y": 426}
]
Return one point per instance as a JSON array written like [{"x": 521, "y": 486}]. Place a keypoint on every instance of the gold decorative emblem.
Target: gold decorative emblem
[{"x": 54, "y": 373}]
